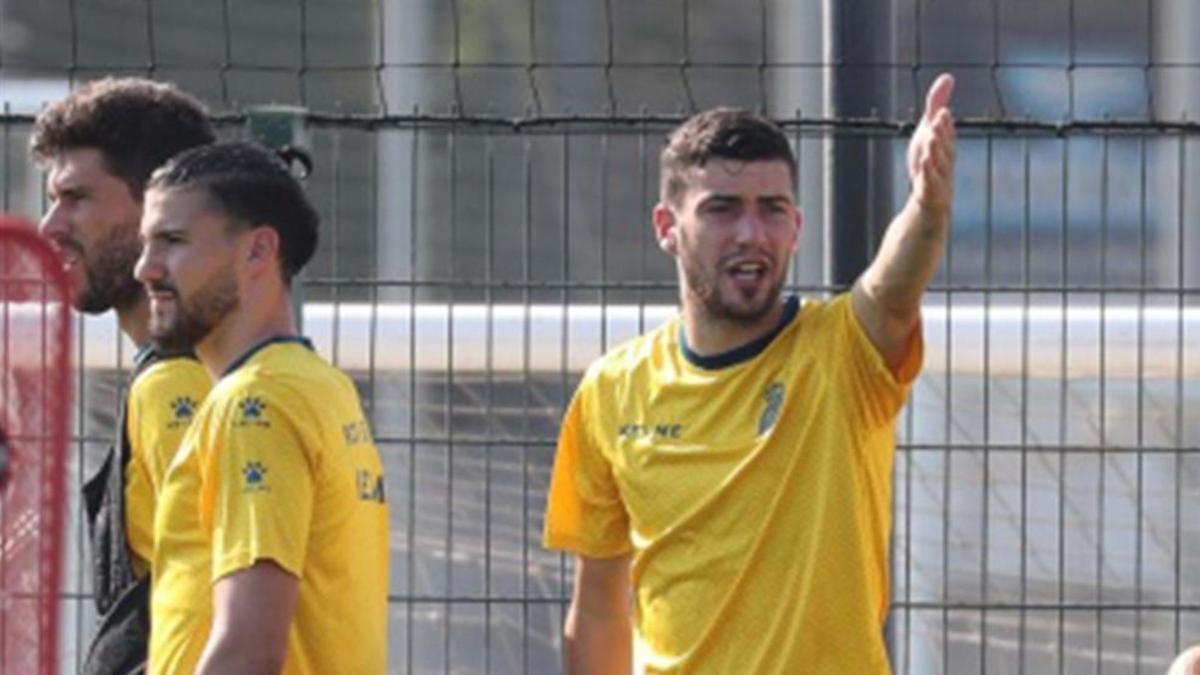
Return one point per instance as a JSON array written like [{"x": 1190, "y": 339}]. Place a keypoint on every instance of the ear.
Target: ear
[
  {"x": 263, "y": 248},
  {"x": 664, "y": 228},
  {"x": 799, "y": 231}
]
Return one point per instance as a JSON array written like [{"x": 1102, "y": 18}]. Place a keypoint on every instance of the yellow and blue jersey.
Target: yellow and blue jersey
[
  {"x": 162, "y": 400},
  {"x": 278, "y": 465},
  {"x": 752, "y": 489}
]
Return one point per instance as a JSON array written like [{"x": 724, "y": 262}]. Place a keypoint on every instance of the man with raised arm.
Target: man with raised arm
[{"x": 724, "y": 481}]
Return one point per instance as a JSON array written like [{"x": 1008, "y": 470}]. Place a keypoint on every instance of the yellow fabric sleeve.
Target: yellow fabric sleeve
[
  {"x": 881, "y": 391},
  {"x": 257, "y": 486},
  {"x": 584, "y": 510},
  {"x": 162, "y": 401}
]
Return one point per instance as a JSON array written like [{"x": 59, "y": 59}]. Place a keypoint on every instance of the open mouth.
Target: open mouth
[{"x": 748, "y": 272}]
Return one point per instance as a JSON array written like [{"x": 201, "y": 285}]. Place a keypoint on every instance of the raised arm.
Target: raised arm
[
  {"x": 887, "y": 297},
  {"x": 598, "y": 635}
]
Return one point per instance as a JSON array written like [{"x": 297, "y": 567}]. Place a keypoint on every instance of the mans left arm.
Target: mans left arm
[
  {"x": 887, "y": 297},
  {"x": 252, "y": 612}
]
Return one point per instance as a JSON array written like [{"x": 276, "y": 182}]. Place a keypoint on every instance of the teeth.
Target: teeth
[{"x": 748, "y": 269}]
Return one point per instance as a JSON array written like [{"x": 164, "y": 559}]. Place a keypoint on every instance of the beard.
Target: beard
[
  {"x": 108, "y": 275},
  {"x": 194, "y": 318},
  {"x": 742, "y": 308}
]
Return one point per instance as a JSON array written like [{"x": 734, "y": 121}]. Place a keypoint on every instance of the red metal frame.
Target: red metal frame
[{"x": 43, "y": 286}]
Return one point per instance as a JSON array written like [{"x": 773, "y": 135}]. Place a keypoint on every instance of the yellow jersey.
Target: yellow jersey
[
  {"x": 278, "y": 465},
  {"x": 162, "y": 400},
  {"x": 752, "y": 489}
]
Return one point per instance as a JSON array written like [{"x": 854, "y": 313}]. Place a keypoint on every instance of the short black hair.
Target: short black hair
[
  {"x": 136, "y": 124},
  {"x": 254, "y": 186},
  {"x": 725, "y": 133}
]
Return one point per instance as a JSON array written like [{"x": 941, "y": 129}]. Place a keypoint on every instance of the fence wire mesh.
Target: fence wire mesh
[{"x": 485, "y": 173}]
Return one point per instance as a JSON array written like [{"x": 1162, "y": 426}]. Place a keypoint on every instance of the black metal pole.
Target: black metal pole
[{"x": 860, "y": 36}]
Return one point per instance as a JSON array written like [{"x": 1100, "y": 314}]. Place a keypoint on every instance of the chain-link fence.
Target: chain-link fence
[{"x": 485, "y": 172}]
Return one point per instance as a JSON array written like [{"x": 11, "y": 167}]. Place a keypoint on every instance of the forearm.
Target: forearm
[
  {"x": 907, "y": 260},
  {"x": 597, "y": 644}
]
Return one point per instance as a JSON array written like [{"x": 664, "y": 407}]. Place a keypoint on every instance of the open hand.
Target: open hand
[{"x": 931, "y": 150}]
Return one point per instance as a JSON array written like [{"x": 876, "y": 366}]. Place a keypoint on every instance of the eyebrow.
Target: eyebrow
[
  {"x": 774, "y": 199},
  {"x": 723, "y": 198},
  {"x": 74, "y": 189},
  {"x": 158, "y": 231}
]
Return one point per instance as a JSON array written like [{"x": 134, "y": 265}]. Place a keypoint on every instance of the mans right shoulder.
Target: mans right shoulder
[
  {"x": 162, "y": 401},
  {"x": 584, "y": 511},
  {"x": 633, "y": 359}
]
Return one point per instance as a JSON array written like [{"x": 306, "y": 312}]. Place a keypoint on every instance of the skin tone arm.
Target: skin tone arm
[
  {"x": 252, "y": 612},
  {"x": 887, "y": 297},
  {"x": 598, "y": 636}
]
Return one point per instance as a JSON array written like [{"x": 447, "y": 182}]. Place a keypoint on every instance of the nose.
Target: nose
[
  {"x": 751, "y": 228},
  {"x": 54, "y": 224},
  {"x": 148, "y": 268}
]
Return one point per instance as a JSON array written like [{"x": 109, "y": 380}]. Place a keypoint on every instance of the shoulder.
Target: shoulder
[
  {"x": 635, "y": 358},
  {"x": 821, "y": 323},
  {"x": 292, "y": 382},
  {"x": 177, "y": 376}
]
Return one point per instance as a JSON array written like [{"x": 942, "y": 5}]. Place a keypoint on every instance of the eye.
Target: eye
[{"x": 719, "y": 206}]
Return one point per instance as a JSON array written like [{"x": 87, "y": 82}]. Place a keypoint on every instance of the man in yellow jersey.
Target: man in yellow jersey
[
  {"x": 98, "y": 147},
  {"x": 271, "y": 548},
  {"x": 725, "y": 478}
]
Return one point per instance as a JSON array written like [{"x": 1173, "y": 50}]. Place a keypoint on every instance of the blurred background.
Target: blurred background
[{"x": 485, "y": 172}]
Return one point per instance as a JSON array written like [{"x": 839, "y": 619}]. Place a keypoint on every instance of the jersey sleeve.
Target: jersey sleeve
[
  {"x": 162, "y": 401},
  {"x": 584, "y": 511},
  {"x": 257, "y": 485},
  {"x": 879, "y": 391}
]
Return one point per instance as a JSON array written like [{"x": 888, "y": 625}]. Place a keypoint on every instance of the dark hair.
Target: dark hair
[
  {"x": 725, "y": 133},
  {"x": 254, "y": 187},
  {"x": 136, "y": 125}
]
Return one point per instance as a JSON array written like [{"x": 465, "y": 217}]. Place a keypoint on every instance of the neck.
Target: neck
[
  {"x": 709, "y": 335},
  {"x": 242, "y": 329},
  {"x": 134, "y": 320}
]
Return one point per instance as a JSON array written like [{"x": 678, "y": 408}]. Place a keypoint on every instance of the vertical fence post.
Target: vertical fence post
[{"x": 858, "y": 187}]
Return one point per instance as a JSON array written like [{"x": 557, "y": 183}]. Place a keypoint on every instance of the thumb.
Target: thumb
[{"x": 938, "y": 96}]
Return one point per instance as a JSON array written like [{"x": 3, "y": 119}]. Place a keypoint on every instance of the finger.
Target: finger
[
  {"x": 943, "y": 157},
  {"x": 933, "y": 186},
  {"x": 938, "y": 98},
  {"x": 943, "y": 149}
]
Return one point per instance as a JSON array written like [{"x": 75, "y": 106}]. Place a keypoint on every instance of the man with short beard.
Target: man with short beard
[
  {"x": 271, "y": 538},
  {"x": 98, "y": 147},
  {"x": 727, "y": 476}
]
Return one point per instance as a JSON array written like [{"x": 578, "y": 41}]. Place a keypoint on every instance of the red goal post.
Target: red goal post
[{"x": 35, "y": 401}]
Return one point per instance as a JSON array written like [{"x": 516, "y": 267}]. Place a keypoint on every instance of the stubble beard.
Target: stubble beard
[
  {"x": 705, "y": 287},
  {"x": 108, "y": 274},
  {"x": 196, "y": 317}
]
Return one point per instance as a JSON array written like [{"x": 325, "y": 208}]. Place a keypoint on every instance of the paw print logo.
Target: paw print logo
[
  {"x": 255, "y": 473},
  {"x": 183, "y": 407},
  {"x": 252, "y": 408}
]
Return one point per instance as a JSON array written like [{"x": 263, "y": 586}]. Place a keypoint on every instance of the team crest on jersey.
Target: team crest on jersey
[
  {"x": 254, "y": 475},
  {"x": 182, "y": 409},
  {"x": 252, "y": 411},
  {"x": 773, "y": 398}
]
